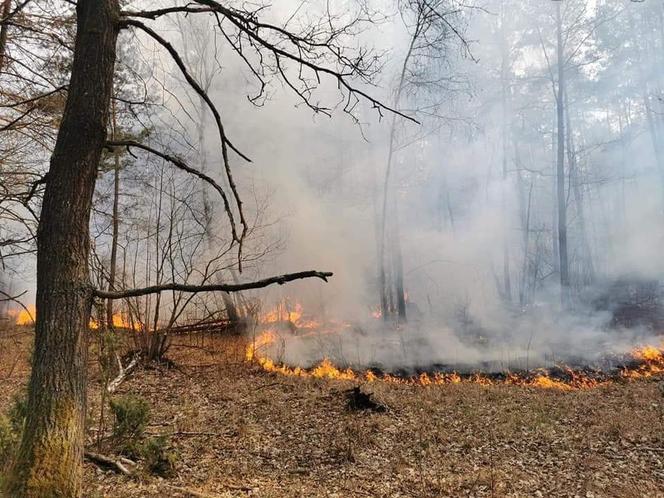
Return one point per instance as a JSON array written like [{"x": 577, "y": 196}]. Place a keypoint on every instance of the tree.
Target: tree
[
  {"x": 431, "y": 25},
  {"x": 49, "y": 459}
]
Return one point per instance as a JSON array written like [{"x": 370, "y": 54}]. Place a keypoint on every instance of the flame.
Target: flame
[
  {"x": 24, "y": 317},
  {"x": 288, "y": 313},
  {"x": 645, "y": 361},
  {"x": 120, "y": 321},
  {"x": 27, "y": 317},
  {"x": 650, "y": 361}
]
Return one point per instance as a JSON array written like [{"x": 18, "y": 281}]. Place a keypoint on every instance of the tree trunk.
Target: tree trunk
[
  {"x": 384, "y": 293},
  {"x": 49, "y": 461},
  {"x": 116, "y": 224},
  {"x": 234, "y": 318},
  {"x": 588, "y": 267},
  {"x": 4, "y": 12},
  {"x": 505, "y": 111},
  {"x": 560, "y": 165}
]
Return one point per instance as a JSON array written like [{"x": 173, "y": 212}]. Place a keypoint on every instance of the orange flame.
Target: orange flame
[
  {"x": 650, "y": 358},
  {"x": 24, "y": 317}
]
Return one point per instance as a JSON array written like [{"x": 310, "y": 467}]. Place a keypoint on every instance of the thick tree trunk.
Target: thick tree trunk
[{"x": 49, "y": 461}]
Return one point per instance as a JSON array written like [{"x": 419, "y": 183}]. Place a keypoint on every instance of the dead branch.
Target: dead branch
[
  {"x": 107, "y": 462},
  {"x": 123, "y": 374},
  {"x": 258, "y": 284}
]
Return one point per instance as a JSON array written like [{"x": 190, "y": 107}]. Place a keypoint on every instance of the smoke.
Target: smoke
[
  {"x": 461, "y": 205},
  {"x": 473, "y": 184}
]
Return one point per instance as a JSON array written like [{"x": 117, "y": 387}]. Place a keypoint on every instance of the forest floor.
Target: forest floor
[{"x": 238, "y": 431}]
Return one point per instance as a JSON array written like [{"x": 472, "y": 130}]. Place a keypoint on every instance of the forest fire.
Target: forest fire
[{"x": 641, "y": 363}]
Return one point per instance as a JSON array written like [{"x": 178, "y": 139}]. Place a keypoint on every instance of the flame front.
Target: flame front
[{"x": 645, "y": 362}]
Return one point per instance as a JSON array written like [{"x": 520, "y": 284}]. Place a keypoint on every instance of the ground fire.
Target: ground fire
[{"x": 641, "y": 362}]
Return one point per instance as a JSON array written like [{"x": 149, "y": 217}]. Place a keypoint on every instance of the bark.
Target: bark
[
  {"x": 4, "y": 28},
  {"x": 560, "y": 164},
  {"x": 49, "y": 460}
]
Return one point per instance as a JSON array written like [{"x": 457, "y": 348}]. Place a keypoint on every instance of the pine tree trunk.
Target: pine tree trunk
[{"x": 49, "y": 461}]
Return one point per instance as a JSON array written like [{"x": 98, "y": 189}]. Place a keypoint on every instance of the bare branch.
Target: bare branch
[
  {"x": 258, "y": 284},
  {"x": 183, "y": 166}
]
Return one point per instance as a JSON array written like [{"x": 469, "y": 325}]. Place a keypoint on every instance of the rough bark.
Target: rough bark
[
  {"x": 4, "y": 28},
  {"x": 49, "y": 461}
]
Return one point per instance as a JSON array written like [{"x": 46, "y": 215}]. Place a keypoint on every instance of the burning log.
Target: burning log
[{"x": 359, "y": 401}]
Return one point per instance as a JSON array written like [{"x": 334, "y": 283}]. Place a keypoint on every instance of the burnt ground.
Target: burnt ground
[{"x": 238, "y": 431}]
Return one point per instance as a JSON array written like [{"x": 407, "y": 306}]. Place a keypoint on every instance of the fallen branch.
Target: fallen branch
[
  {"x": 200, "y": 494},
  {"x": 258, "y": 284},
  {"x": 108, "y": 462},
  {"x": 123, "y": 373},
  {"x": 190, "y": 434}
]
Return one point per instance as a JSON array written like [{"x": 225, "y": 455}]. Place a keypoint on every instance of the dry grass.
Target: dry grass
[{"x": 271, "y": 436}]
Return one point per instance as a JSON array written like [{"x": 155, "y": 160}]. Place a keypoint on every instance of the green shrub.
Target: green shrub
[{"x": 131, "y": 417}]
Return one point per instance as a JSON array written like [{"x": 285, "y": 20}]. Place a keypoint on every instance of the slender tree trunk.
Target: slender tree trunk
[
  {"x": 588, "y": 270},
  {"x": 5, "y": 7},
  {"x": 49, "y": 460},
  {"x": 232, "y": 312},
  {"x": 115, "y": 223},
  {"x": 385, "y": 311},
  {"x": 507, "y": 281},
  {"x": 560, "y": 165},
  {"x": 397, "y": 265}
]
